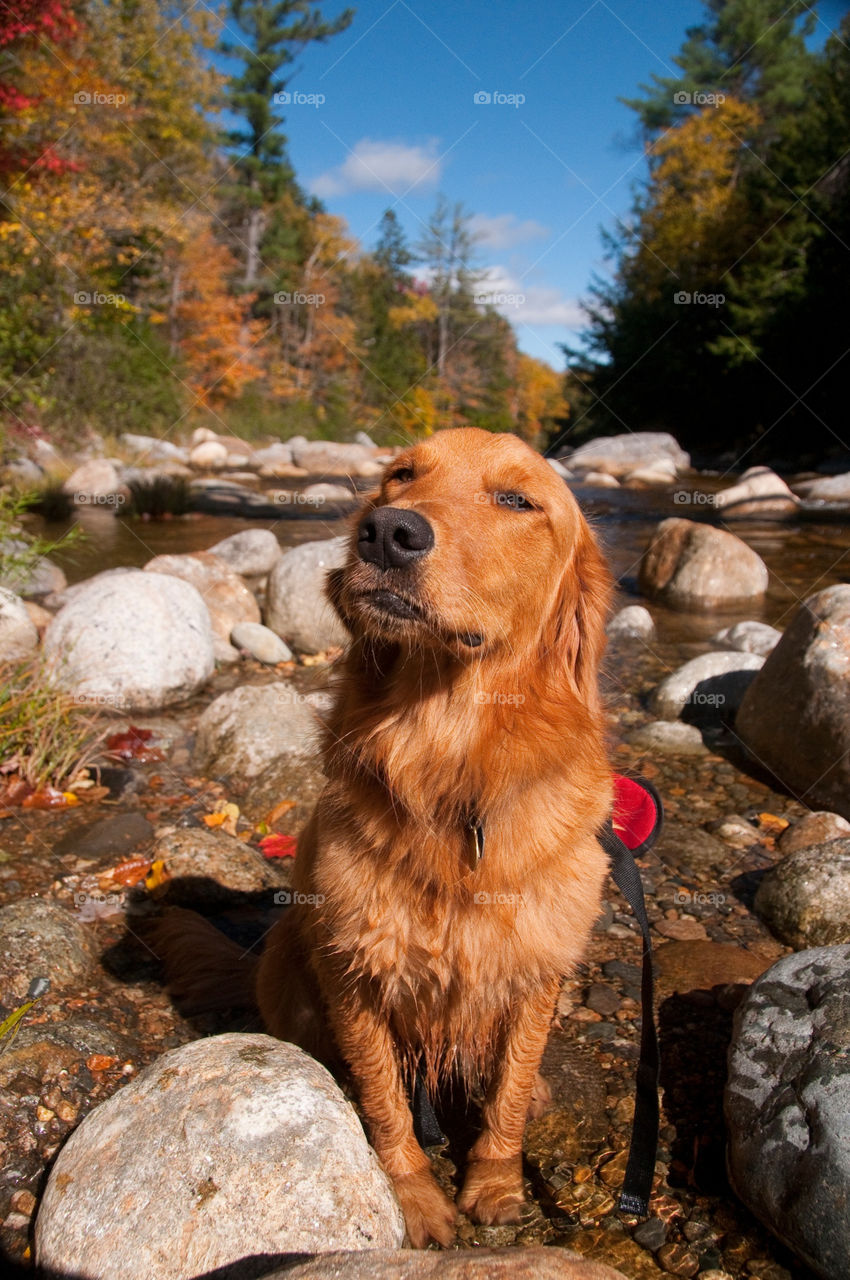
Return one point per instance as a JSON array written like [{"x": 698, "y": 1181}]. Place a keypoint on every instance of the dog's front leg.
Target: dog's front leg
[
  {"x": 366, "y": 1042},
  {"x": 493, "y": 1190}
]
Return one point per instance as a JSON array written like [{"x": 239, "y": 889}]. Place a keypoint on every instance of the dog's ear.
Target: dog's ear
[{"x": 575, "y": 640}]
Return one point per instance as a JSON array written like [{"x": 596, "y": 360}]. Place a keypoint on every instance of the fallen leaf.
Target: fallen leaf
[
  {"x": 49, "y": 798},
  {"x": 130, "y": 872},
  {"x": 770, "y": 823},
  {"x": 133, "y": 745},
  {"x": 275, "y": 846},
  {"x": 225, "y": 815},
  {"x": 278, "y": 811},
  {"x": 100, "y": 1062},
  {"x": 157, "y": 878}
]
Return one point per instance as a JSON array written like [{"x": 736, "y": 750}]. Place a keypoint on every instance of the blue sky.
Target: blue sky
[{"x": 510, "y": 108}]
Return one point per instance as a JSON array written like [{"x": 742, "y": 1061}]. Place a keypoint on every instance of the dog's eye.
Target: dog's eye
[
  {"x": 516, "y": 501},
  {"x": 402, "y": 474}
]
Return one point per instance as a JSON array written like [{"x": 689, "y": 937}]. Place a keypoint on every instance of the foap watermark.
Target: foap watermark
[
  {"x": 500, "y": 299},
  {"x": 497, "y": 99},
  {"x": 100, "y": 499},
  {"x": 85, "y": 98},
  {"x": 685, "y": 299},
  {"x": 686, "y": 897},
  {"x": 482, "y": 899},
  {"x": 292, "y": 498},
  {"x": 298, "y": 299},
  {"x": 114, "y": 700},
  {"x": 85, "y": 299},
  {"x": 699, "y": 99},
  {"x": 484, "y": 498},
  {"x": 498, "y": 699},
  {"x": 292, "y": 897},
  {"x": 293, "y": 98},
  {"x": 694, "y": 497},
  {"x": 698, "y": 699},
  {"x": 92, "y": 906}
]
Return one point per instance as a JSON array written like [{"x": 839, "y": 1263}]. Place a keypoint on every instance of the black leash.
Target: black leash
[{"x": 640, "y": 1169}]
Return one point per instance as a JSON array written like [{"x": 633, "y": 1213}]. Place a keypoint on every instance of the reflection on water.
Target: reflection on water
[{"x": 802, "y": 556}]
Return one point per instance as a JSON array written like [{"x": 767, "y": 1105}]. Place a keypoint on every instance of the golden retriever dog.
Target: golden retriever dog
[{"x": 450, "y": 875}]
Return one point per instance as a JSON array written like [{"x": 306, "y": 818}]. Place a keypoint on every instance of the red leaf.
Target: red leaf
[{"x": 275, "y": 846}]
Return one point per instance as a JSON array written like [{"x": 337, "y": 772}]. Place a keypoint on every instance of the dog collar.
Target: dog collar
[{"x": 474, "y": 842}]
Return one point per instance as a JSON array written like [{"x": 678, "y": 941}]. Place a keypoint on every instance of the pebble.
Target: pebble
[
  {"x": 651, "y": 1234},
  {"x": 678, "y": 1260}
]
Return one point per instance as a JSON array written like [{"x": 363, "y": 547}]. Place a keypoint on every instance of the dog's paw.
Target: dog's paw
[
  {"x": 493, "y": 1191},
  {"x": 541, "y": 1097},
  {"x": 428, "y": 1212}
]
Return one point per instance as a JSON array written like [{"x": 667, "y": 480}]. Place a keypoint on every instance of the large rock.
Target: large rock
[
  {"x": 97, "y": 479},
  {"x": 224, "y": 593},
  {"x": 670, "y": 737},
  {"x": 296, "y": 606},
  {"x": 632, "y": 623},
  {"x": 748, "y": 637},
  {"x": 708, "y": 688},
  {"x": 226, "y": 1148},
  {"x": 795, "y": 716},
  {"x": 18, "y": 632},
  {"x": 209, "y": 454},
  {"x": 329, "y": 458},
  {"x": 827, "y": 489},
  {"x": 136, "y": 641},
  {"x": 621, "y": 455},
  {"x": 528, "y": 1262},
  {"x": 761, "y": 494},
  {"x": 695, "y": 566},
  {"x": 39, "y": 939},
  {"x": 805, "y": 898},
  {"x": 787, "y": 1105},
  {"x": 26, "y": 574},
  {"x": 813, "y": 828},
  {"x": 252, "y": 553},
  {"x": 212, "y": 869},
  {"x": 148, "y": 450}
]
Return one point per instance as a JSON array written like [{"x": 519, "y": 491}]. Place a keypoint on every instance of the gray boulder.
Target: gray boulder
[
  {"x": 620, "y": 455},
  {"x": 26, "y": 574},
  {"x": 224, "y": 593},
  {"x": 632, "y": 623},
  {"x": 670, "y": 737},
  {"x": 759, "y": 494},
  {"x": 795, "y": 716},
  {"x": 252, "y": 553},
  {"x": 695, "y": 566},
  {"x": 18, "y": 632},
  {"x": 39, "y": 939},
  {"x": 263, "y": 741},
  {"x": 260, "y": 642},
  {"x": 813, "y": 828},
  {"x": 148, "y": 451},
  {"x": 748, "y": 637},
  {"x": 826, "y": 489},
  {"x": 708, "y": 688},
  {"x": 226, "y": 1148},
  {"x": 92, "y": 480},
  {"x": 135, "y": 641},
  {"x": 787, "y": 1105},
  {"x": 296, "y": 605},
  {"x": 521, "y": 1262},
  {"x": 805, "y": 898}
]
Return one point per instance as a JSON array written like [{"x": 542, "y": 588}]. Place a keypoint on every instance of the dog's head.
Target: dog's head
[{"x": 474, "y": 544}]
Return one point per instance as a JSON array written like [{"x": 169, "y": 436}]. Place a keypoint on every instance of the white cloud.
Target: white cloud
[
  {"x": 504, "y": 231},
  {"x": 524, "y": 303},
  {"x": 391, "y": 167}
]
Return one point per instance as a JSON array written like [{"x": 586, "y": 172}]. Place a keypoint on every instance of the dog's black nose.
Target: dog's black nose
[{"x": 393, "y": 537}]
